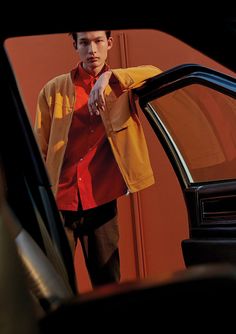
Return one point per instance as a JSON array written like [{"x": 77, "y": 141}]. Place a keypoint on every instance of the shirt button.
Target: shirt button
[
  {"x": 79, "y": 179},
  {"x": 92, "y": 131},
  {"x": 81, "y": 159}
]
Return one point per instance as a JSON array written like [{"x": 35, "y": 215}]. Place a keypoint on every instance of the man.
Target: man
[{"x": 84, "y": 126}]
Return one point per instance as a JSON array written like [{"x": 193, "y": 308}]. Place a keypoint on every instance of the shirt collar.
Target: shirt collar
[{"x": 79, "y": 74}]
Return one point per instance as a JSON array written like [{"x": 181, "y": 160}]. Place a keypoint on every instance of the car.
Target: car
[{"x": 207, "y": 181}]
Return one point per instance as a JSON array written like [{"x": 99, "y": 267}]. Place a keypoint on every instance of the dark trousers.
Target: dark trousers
[{"x": 97, "y": 229}]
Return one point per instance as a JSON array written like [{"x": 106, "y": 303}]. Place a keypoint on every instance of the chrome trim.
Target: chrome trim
[{"x": 172, "y": 146}]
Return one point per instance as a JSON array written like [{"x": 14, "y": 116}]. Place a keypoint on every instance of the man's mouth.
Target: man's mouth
[{"x": 92, "y": 59}]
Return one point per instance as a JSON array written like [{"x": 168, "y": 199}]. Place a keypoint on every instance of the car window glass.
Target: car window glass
[{"x": 202, "y": 124}]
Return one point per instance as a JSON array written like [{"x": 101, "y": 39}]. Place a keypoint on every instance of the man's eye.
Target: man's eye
[{"x": 83, "y": 43}]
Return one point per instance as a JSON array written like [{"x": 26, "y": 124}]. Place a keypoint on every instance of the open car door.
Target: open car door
[{"x": 192, "y": 110}]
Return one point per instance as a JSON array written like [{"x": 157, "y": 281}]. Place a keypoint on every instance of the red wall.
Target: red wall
[{"x": 153, "y": 222}]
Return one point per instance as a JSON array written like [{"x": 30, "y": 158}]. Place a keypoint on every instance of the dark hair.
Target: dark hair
[{"x": 74, "y": 35}]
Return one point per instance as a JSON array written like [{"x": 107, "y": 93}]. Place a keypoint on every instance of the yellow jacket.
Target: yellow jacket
[{"x": 125, "y": 134}]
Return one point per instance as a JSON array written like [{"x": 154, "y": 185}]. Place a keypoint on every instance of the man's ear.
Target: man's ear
[{"x": 110, "y": 43}]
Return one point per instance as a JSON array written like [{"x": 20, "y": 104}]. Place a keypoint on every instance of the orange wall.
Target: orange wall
[{"x": 153, "y": 222}]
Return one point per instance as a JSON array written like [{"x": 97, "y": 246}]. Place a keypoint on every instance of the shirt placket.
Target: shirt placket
[{"x": 83, "y": 179}]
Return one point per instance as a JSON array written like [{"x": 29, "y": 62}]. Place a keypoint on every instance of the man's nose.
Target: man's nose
[{"x": 92, "y": 48}]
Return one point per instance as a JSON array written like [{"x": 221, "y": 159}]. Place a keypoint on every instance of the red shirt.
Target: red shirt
[{"x": 89, "y": 176}]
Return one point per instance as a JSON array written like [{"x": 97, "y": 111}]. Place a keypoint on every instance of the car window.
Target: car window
[{"x": 202, "y": 123}]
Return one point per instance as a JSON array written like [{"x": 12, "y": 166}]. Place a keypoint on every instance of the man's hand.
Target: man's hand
[{"x": 96, "y": 102}]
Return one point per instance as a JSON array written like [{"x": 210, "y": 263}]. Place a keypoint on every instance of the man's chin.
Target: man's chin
[{"x": 94, "y": 64}]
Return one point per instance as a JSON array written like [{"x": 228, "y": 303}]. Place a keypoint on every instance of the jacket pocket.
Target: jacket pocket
[{"x": 120, "y": 116}]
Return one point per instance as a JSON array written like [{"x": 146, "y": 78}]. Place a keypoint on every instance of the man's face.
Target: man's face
[{"x": 92, "y": 47}]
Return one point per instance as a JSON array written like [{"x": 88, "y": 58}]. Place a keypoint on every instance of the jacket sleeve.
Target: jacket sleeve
[
  {"x": 42, "y": 123},
  {"x": 131, "y": 77}
]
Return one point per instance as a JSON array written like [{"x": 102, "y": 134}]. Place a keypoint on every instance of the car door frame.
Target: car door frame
[{"x": 28, "y": 188}]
